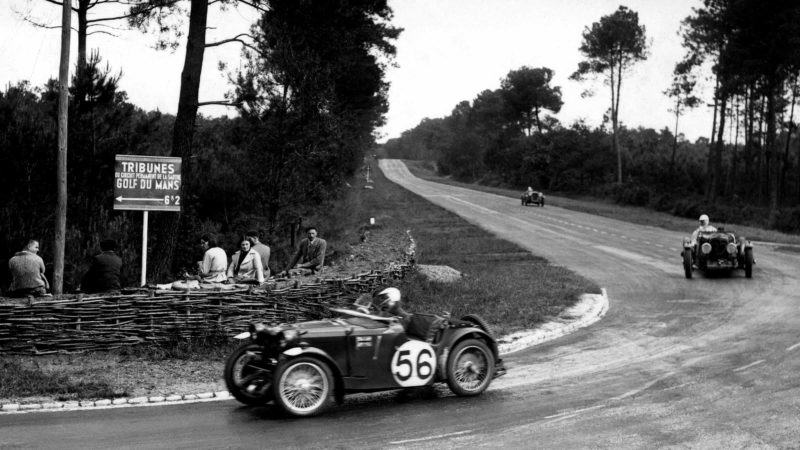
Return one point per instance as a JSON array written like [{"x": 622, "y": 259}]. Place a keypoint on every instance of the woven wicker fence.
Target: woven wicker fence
[{"x": 109, "y": 322}]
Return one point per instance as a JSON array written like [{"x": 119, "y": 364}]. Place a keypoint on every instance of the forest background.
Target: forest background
[
  {"x": 309, "y": 92},
  {"x": 747, "y": 173}
]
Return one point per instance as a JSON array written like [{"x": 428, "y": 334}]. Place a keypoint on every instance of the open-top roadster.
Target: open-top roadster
[
  {"x": 532, "y": 198},
  {"x": 303, "y": 366},
  {"x": 718, "y": 251}
]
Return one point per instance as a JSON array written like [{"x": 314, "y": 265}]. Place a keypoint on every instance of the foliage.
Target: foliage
[{"x": 527, "y": 91}]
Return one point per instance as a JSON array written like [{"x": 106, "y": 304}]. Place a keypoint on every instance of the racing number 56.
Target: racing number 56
[{"x": 413, "y": 364}]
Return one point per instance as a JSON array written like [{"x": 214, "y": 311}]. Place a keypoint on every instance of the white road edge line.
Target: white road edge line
[
  {"x": 430, "y": 438},
  {"x": 643, "y": 388},
  {"x": 574, "y": 412},
  {"x": 749, "y": 365},
  {"x": 793, "y": 347}
]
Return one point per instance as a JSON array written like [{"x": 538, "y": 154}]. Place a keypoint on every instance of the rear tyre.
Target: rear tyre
[
  {"x": 687, "y": 263},
  {"x": 479, "y": 322},
  {"x": 748, "y": 262},
  {"x": 247, "y": 376},
  {"x": 303, "y": 386},
  {"x": 470, "y": 368},
  {"x": 542, "y": 203}
]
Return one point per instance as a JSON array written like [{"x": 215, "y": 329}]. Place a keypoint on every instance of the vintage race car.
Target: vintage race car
[
  {"x": 535, "y": 198},
  {"x": 303, "y": 366},
  {"x": 718, "y": 251}
]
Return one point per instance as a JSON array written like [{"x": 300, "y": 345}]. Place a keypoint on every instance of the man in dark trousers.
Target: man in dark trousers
[
  {"x": 310, "y": 254},
  {"x": 105, "y": 271}
]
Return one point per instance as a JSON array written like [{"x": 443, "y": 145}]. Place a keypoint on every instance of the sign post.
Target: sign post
[{"x": 147, "y": 183}]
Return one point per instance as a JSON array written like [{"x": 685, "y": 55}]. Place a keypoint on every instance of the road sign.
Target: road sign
[{"x": 147, "y": 183}]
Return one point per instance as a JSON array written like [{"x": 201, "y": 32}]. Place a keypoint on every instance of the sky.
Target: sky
[{"x": 449, "y": 51}]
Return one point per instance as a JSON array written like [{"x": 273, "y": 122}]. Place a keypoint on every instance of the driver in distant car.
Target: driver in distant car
[{"x": 704, "y": 227}]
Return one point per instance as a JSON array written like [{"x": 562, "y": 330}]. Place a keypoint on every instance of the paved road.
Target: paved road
[{"x": 707, "y": 362}]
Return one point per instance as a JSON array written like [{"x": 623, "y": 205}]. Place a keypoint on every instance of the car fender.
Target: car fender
[
  {"x": 457, "y": 335},
  {"x": 294, "y": 352}
]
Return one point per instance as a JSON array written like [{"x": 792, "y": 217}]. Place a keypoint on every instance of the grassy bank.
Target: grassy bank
[
  {"x": 508, "y": 286},
  {"x": 606, "y": 208}
]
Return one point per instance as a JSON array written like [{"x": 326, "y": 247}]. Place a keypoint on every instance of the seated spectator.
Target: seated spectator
[
  {"x": 261, "y": 249},
  {"x": 212, "y": 268},
  {"x": 27, "y": 272},
  {"x": 310, "y": 253},
  {"x": 246, "y": 265},
  {"x": 105, "y": 271}
]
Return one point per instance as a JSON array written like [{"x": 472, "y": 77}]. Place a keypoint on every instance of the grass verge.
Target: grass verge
[{"x": 606, "y": 208}]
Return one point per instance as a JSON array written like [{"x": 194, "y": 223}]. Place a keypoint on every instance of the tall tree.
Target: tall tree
[
  {"x": 61, "y": 171},
  {"x": 527, "y": 91},
  {"x": 158, "y": 12},
  {"x": 612, "y": 46},
  {"x": 680, "y": 91}
]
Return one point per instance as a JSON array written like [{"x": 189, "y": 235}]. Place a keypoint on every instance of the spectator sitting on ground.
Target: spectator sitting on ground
[
  {"x": 212, "y": 268},
  {"x": 310, "y": 253},
  {"x": 246, "y": 265},
  {"x": 27, "y": 272},
  {"x": 105, "y": 271},
  {"x": 261, "y": 249}
]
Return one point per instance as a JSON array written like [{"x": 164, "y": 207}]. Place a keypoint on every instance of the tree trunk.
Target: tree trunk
[
  {"x": 183, "y": 131},
  {"x": 614, "y": 122},
  {"x": 772, "y": 148},
  {"x": 675, "y": 141},
  {"x": 789, "y": 130},
  {"x": 716, "y": 157},
  {"x": 61, "y": 171}
]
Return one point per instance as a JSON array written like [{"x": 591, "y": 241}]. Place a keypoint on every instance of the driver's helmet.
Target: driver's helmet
[
  {"x": 704, "y": 219},
  {"x": 388, "y": 298}
]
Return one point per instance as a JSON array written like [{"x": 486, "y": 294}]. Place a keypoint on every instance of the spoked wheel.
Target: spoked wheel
[
  {"x": 748, "y": 262},
  {"x": 687, "y": 263},
  {"x": 470, "y": 368},
  {"x": 303, "y": 386},
  {"x": 247, "y": 376}
]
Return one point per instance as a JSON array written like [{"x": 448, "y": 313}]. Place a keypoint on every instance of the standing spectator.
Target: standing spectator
[
  {"x": 261, "y": 249},
  {"x": 27, "y": 272},
  {"x": 310, "y": 253},
  {"x": 215, "y": 260},
  {"x": 105, "y": 271},
  {"x": 246, "y": 265}
]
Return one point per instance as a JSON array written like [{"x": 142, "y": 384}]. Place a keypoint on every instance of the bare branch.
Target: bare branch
[
  {"x": 254, "y": 5},
  {"x": 102, "y": 32},
  {"x": 218, "y": 102},
  {"x": 234, "y": 39}
]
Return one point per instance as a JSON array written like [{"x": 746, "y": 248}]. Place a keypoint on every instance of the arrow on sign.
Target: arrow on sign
[{"x": 121, "y": 198}]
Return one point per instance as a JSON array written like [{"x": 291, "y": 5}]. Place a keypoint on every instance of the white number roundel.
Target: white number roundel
[{"x": 413, "y": 364}]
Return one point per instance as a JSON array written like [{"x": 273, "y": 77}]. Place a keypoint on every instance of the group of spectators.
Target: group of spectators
[
  {"x": 248, "y": 265},
  {"x": 28, "y": 271}
]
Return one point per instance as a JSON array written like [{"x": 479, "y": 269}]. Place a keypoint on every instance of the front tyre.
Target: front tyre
[
  {"x": 303, "y": 386},
  {"x": 748, "y": 262},
  {"x": 247, "y": 376},
  {"x": 470, "y": 368},
  {"x": 687, "y": 263}
]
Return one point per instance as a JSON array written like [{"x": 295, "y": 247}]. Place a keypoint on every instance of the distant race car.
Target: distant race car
[
  {"x": 303, "y": 366},
  {"x": 535, "y": 197},
  {"x": 718, "y": 251}
]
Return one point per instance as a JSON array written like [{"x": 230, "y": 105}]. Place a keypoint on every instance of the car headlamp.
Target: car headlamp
[
  {"x": 705, "y": 248},
  {"x": 732, "y": 248}
]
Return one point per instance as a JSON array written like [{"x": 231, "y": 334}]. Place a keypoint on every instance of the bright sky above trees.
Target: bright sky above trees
[{"x": 450, "y": 51}]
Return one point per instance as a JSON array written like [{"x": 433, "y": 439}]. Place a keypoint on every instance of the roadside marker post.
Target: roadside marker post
[{"x": 147, "y": 183}]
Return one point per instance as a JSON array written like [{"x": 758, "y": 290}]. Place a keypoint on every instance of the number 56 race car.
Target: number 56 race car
[{"x": 303, "y": 366}]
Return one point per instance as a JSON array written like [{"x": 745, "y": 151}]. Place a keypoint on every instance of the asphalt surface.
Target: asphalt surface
[{"x": 711, "y": 362}]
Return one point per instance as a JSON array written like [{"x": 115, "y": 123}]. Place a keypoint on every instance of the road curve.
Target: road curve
[{"x": 707, "y": 362}]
